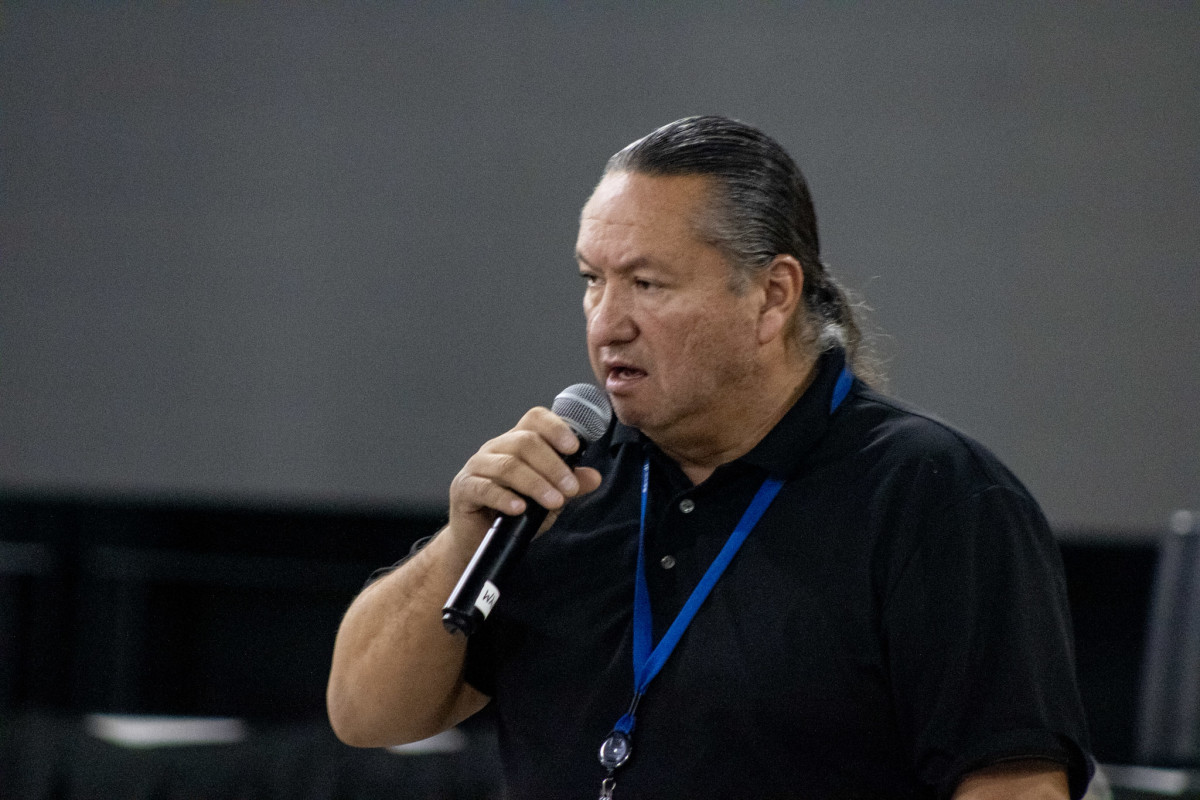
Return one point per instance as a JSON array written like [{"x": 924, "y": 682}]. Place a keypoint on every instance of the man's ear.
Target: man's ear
[{"x": 782, "y": 284}]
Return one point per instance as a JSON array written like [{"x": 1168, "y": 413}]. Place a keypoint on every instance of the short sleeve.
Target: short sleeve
[{"x": 979, "y": 642}]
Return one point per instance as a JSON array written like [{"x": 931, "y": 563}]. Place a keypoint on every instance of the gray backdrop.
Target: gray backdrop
[{"x": 318, "y": 254}]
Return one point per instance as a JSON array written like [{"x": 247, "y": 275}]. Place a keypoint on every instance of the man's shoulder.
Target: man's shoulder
[
  {"x": 902, "y": 436},
  {"x": 931, "y": 483}
]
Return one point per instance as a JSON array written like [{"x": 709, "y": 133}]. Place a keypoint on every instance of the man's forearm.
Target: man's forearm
[{"x": 397, "y": 674}]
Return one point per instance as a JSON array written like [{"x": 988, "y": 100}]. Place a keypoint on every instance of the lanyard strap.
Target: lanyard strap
[{"x": 646, "y": 661}]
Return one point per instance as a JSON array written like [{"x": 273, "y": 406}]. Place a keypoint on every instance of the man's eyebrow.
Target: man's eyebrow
[{"x": 637, "y": 263}]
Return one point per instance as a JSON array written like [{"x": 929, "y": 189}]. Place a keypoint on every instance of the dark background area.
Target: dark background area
[{"x": 155, "y": 609}]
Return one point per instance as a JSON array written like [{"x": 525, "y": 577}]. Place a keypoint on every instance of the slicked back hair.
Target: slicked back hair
[{"x": 761, "y": 208}]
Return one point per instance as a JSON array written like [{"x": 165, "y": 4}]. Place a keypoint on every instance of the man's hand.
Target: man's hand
[
  {"x": 527, "y": 460},
  {"x": 397, "y": 676}
]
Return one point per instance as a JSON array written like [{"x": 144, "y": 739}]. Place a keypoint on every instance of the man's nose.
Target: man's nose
[{"x": 610, "y": 319}]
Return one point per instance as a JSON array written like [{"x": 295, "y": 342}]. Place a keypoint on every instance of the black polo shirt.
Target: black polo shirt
[{"x": 896, "y": 619}]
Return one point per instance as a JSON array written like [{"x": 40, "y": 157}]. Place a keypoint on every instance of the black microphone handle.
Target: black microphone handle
[{"x": 502, "y": 547}]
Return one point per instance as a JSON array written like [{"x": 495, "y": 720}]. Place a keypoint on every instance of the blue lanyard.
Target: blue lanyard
[{"x": 646, "y": 661}]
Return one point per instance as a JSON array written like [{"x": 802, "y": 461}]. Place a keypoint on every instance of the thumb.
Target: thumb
[{"x": 589, "y": 479}]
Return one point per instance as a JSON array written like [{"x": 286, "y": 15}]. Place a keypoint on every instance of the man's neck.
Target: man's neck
[{"x": 749, "y": 416}]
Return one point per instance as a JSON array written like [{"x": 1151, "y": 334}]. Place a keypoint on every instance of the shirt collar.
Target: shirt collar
[{"x": 783, "y": 449}]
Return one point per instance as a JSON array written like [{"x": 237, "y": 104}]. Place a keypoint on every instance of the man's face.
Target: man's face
[{"x": 668, "y": 339}]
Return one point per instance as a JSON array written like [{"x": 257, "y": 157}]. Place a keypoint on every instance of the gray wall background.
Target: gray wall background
[{"x": 309, "y": 254}]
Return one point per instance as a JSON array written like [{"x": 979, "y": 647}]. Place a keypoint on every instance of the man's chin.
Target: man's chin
[{"x": 629, "y": 413}]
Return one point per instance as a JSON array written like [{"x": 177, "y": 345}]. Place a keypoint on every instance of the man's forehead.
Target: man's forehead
[
  {"x": 639, "y": 186},
  {"x": 671, "y": 203}
]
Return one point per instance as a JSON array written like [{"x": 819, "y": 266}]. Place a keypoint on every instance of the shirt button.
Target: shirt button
[
  {"x": 667, "y": 562},
  {"x": 686, "y": 506}
]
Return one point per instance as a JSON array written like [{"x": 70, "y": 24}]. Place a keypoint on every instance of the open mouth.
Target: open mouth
[{"x": 621, "y": 376}]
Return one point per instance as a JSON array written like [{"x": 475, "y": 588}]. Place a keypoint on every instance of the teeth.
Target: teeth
[{"x": 624, "y": 371}]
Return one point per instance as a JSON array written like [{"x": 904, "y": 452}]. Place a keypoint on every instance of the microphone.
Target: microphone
[{"x": 586, "y": 409}]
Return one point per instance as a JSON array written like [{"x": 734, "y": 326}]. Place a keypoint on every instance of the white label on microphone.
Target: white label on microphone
[{"x": 487, "y": 598}]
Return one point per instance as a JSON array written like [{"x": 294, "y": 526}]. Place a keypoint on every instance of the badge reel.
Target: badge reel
[
  {"x": 648, "y": 659},
  {"x": 614, "y": 752}
]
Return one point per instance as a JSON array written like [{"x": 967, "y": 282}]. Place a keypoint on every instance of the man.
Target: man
[{"x": 891, "y": 622}]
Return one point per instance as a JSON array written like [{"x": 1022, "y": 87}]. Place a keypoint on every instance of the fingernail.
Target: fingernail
[
  {"x": 551, "y": 499},
  {"x": 569, "y": 484}
]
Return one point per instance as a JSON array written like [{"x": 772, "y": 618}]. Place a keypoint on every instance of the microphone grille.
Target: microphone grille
[{"x": 585, "y": 408}]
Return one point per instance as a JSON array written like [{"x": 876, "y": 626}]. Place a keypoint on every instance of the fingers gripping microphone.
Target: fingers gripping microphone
[{"x": 585, "y": 408}]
